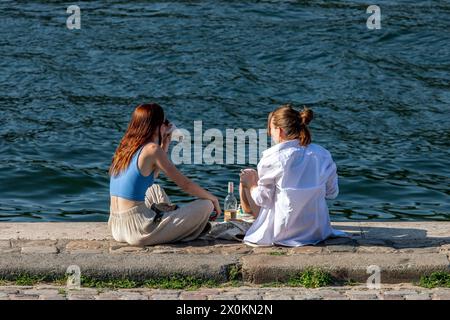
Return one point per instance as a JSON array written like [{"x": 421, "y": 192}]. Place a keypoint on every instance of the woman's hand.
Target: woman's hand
[
  {"x": 166, "y": 136},
  {"x": 249, "y": 178},
  {"x": 217, "y": 209},
  {"x": 166, "y": 142}
]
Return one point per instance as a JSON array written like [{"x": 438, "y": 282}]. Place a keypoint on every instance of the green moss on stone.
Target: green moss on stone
[
  {"x": 311, "y": 278},
  {"x": 436, "y": 279}
]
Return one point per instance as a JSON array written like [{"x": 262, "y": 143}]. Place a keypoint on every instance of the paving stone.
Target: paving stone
[
  {"x": 372, "y": 242},
  {"x": 40, "y": 250},
  {"x": 441, "y": 294},
  {"x": 208, "y": 291},
  {"x": 306, "y": 297},
  {"x": 306, "y": 250},
  {"x": 84, "y": 290},
  {"x": 396, "y": 294},
  {"x": 109, "y": 295},
  {"x": 87, "y": 246},
  {"x": 54, "y": 230},
  {"x": 135, "y": 296},
  {"x": 167, "y": 291},
  {"x": 340, "y": 297},
  {"x": 260, "y": 269},
  {"x": 9, "y": 290},
  {"x": 248, "y": 297},
  {"x": 225, "y": 297},
  {"x": 193, "y": 296},
  {"x": 277, "y": 297},
  {"x": 419, "y": 250},
  {"x": 194, "y": 243},
  {"x": 391, "y": 297},
  {"x": 127, "y": 249},
  {"x": 361, "y": 295},
  {"x": 199, "y": 250},
  {"x": 418, "y": 296},
  {"x": 36, "y": 243},
  {"x": 45, "y": 286},
  {"x": 270, "y": 250},
  {"x": 329, "y": 294},
  {"x": 140, "y": 290},
  {"x": 401, "y": 231},
  {"x": 10, "y": 250},
  {"x": 375, "y": 249},
  {"x": 339, "y": 241},
  {"x": 48, "y": 292},
  {"x": 225, "y": 243},
  {"x": 341, "y": 248},
  {"x": 245, "y": 292},
  {"x": 167, "y": 251},
  {"x": 5, "y": 244},
  {"x": 235, "y": 250},
  {"x": 423, "y": 243},
  {"x": 164, "y": 297},
  {"x": 80, "y": 297},
  {"x": 52, "y": 297},
  {"x": 388, "y": 292},
  {"x": 38, "y": 246},
  {"x": 23, "y": 297}
]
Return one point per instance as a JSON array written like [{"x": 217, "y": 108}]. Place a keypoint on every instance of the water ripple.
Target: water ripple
[{"x": 381, "y": 98}]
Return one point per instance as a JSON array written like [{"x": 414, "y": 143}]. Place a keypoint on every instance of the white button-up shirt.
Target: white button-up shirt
[{"x": 294, "y": 182}]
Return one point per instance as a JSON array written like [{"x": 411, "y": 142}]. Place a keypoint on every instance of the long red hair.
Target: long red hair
[{"x": 146, "y": 119}]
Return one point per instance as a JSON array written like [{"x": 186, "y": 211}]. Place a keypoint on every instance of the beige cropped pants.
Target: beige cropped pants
[{"x": 136, "y": 227}]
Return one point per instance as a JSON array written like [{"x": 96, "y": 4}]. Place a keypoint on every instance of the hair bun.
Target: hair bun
[{"x": 306, "y": 115}]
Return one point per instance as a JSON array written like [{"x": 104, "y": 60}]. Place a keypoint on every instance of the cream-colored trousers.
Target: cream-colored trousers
[{"x": 136, "y": 227}]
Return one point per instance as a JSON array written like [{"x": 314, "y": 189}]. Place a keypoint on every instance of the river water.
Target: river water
[{"x": 381, "y": 97}]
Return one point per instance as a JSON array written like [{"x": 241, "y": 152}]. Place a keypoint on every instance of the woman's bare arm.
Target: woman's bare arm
[
  {"x": 162, "y": 162},
  {"x": 164, "y": 145},
  {"x": 249, "y": 180},
  {"x": 244, "y": 201}
]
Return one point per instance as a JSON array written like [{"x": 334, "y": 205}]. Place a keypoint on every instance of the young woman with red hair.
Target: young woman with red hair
[{"x": 141, "y": 154}]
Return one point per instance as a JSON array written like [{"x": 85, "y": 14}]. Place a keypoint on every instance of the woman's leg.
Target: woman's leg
[
  {"x": 247, "y": 203},
  {"x": 183, "y": 224}
]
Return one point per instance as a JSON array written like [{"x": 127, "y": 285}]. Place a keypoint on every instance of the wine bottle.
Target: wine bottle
[{"x": 230, "y": 204}]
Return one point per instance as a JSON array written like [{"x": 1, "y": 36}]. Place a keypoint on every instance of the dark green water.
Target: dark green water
[{"x": 381, "y": 97}]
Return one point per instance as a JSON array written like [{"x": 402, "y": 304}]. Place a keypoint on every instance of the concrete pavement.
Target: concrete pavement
[{"x": 404, "y": 251}]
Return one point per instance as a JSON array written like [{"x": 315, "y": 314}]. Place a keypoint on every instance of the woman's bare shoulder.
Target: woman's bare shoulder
[{"x": 151, "y": 148}]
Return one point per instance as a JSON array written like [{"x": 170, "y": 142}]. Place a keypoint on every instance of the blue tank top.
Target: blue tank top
[{"x": 130, "y": 183}]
